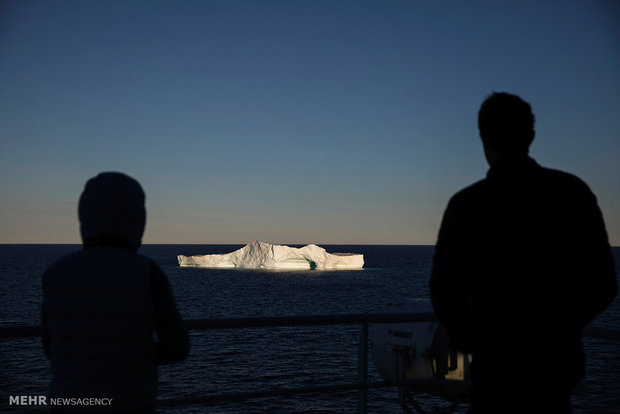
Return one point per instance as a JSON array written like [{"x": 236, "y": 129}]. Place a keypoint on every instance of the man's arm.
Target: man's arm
[
  {"x": 599, "y": 286},
  {"x": 173, "y": 341},
  {"x": 448, "y": 289}
]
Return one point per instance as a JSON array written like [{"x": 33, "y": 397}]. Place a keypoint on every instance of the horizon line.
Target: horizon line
[{"x": 236, "y": 244}]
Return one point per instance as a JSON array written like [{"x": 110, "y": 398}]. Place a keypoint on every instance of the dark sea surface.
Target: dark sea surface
[{"x": 239, "y": 360}]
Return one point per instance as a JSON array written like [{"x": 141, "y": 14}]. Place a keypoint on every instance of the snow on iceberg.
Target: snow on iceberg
[{"x": 261, "y": 255}]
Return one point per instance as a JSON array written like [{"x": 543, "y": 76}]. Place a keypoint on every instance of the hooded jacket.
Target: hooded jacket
[{"x": 102, "y": 305}]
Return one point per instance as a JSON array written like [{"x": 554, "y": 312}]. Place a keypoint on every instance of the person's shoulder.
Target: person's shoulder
[
  {"x": 563, "y": 179},
  {"x": 143, "y": 258},
  {"x": 62, "y": 265},
  {"x": 149, "y": 263},
  {"x": 97, "y": 255},
  {"x": 470, "y": 193},
  {"x": 137, "y": 260},
  {"x": 66, "y": 260}
]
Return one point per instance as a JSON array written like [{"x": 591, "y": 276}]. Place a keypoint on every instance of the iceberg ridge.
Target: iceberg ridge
[{"x": 262, "y": 255}]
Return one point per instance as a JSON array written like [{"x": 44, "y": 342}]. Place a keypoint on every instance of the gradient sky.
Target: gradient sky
[{"x": 293, "y": 121}]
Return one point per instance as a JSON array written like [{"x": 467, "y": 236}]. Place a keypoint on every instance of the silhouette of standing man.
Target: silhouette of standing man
[
  {"x": 102, "y": 304},
  {"x": 522, "y": 264}
]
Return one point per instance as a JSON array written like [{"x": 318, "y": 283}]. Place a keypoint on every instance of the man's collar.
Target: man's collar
[{"x": 510, "y": 167}]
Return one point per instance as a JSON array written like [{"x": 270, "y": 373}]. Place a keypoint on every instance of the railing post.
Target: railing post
[{"x": 362, "y": 369}]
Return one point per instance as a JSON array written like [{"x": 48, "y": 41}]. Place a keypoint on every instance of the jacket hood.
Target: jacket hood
[{"x": 111, "y": 207}]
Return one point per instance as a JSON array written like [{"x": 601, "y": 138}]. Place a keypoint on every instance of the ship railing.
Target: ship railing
[{"x": 362, "y": 385}]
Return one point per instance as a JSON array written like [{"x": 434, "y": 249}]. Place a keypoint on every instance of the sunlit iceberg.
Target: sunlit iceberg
[{"x": 261, "y": 255}]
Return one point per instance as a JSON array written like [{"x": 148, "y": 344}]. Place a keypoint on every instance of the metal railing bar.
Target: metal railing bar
[
  {"x": 19, "y": 331},
  {"x": 602, "y": 333},
  {"x": 307, "y": 320},
  {"x": 428, "y": 386},
  {"x": 29, "y": 331},
  {"x": 260, "y": 322}
]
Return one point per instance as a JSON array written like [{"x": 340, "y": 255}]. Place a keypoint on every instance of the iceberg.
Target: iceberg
[{"x": 262, "y": 255}]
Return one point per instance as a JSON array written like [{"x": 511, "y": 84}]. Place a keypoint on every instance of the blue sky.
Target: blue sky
[{"x": 293, "y": 121}]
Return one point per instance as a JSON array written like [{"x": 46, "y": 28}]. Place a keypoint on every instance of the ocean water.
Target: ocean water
[{"x": 239, "y": 360}]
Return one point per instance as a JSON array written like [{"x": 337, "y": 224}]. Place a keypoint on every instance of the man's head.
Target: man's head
[
  {"x": 506, "y": 126},
  {"x": 111, "y": 208}
]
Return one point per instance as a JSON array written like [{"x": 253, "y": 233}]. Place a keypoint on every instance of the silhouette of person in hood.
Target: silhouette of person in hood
[
  {"x": 102, "y": 304},
  {"x": 522, "y": 263}
]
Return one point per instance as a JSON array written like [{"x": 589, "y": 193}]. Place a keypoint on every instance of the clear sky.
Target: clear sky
[{"x": 293, "y": 121}]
